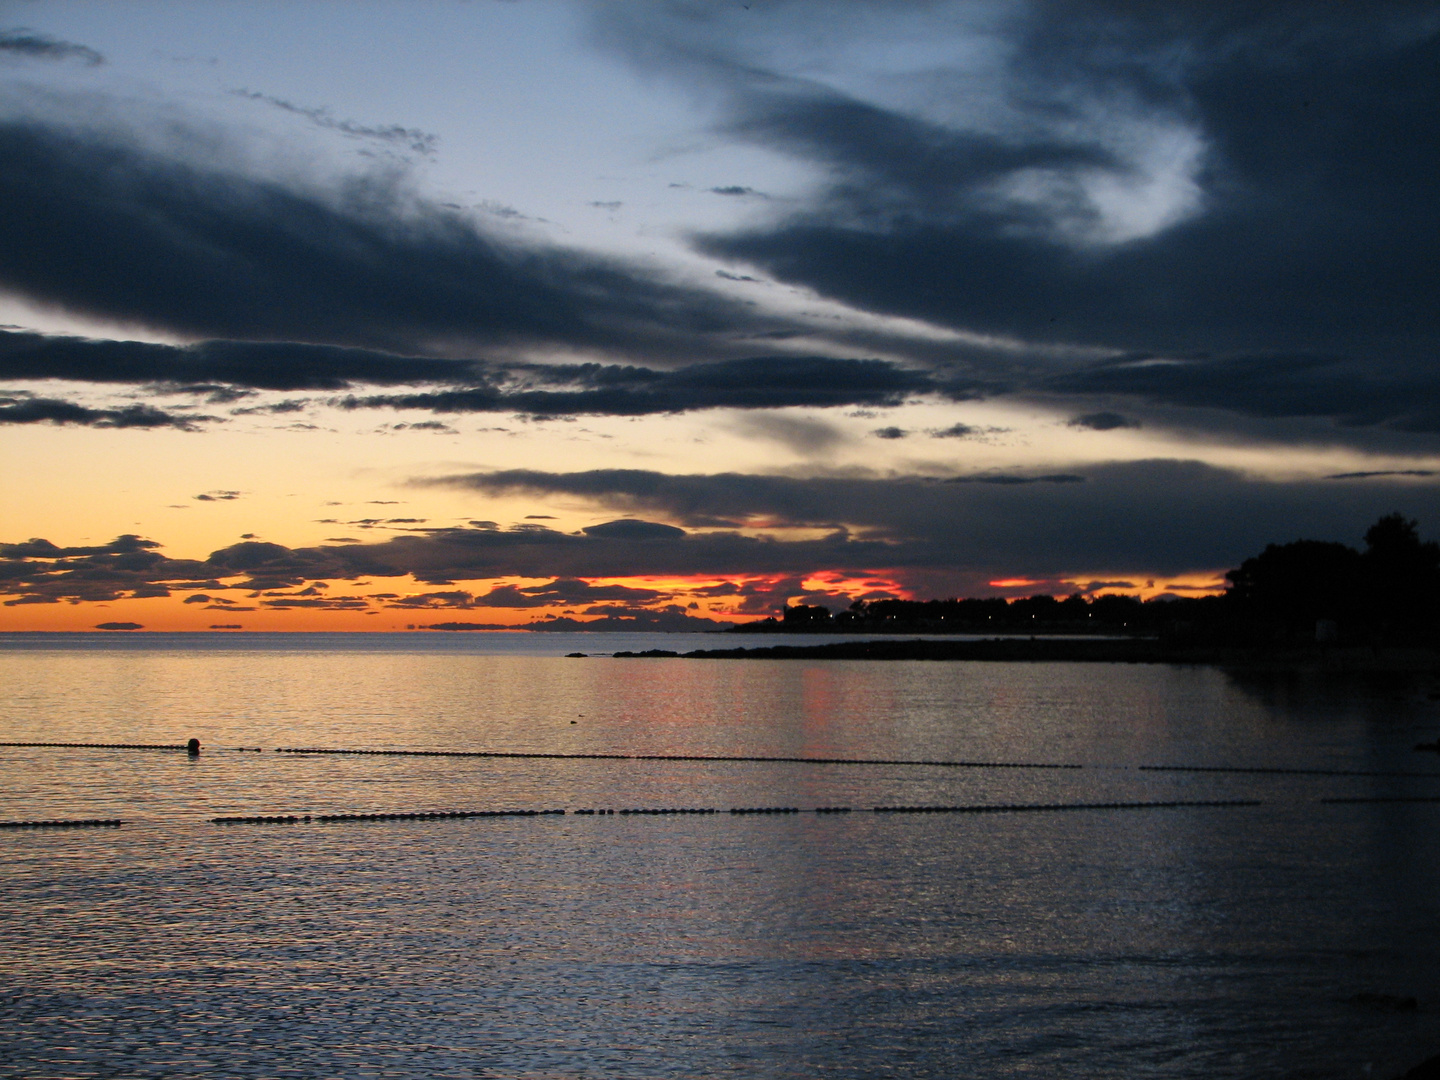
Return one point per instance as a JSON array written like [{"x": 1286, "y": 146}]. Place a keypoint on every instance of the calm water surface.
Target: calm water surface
[{"x": 1186, "y": 942}]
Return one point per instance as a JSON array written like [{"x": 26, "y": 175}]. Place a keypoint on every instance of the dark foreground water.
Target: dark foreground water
[{"x": 1275, "y": 940}]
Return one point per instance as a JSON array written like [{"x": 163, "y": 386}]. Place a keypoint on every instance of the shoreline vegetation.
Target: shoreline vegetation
[
  {"x": 1308, "y": 604},
  {"x": 1135, "y": 650}
]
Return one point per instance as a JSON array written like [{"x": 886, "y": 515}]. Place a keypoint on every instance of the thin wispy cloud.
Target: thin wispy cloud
[{"x": 421, "y": 142}]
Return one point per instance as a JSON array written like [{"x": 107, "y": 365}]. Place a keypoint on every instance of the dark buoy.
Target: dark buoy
[{"x": 193, "y": 748}]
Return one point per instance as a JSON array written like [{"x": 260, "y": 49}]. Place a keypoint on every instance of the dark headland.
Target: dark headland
[
  {"x": 1094, "y": 650},
  {"x": 1305, "y": 605}
]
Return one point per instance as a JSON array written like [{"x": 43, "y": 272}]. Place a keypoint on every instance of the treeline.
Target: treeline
[{"x": 1301, "y": 592}]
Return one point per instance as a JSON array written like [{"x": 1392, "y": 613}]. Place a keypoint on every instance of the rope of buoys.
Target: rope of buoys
[
  {"x": 984, "y": 808},
  {"x": 659, "y": 810},
  {"x": 193, "y": 748},
  {"x": 104, "y": 746},
  {"x": 974, "y": 808},
  {"x": 82, "y": 823},
  {"x": 654, "y": 811},
  {"x": 424, "y": 815},
  {"x": 677, "y": 757},
  {"x": 765, "y": 810}
]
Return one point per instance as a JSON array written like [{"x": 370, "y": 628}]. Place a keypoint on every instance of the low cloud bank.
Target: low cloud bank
[{"x": 1149, "y": 518}]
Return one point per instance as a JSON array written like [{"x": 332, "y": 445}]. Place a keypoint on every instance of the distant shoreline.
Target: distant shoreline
[{"x": 1109, "y": 650}]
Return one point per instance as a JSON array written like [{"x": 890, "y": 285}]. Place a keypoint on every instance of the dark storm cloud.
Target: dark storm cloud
[
  {"x": 1351, "y": 392},
  {"x": 223, "y": 370},
  {"x": 38, "y": 46},
  {"x": 702, "y": 500},
  {"x": 40, "y": 410},
  {"x": 1305, "y": 225},
  {"x": 762, "y": 382},
  {"x": 1299, "y": 268},
  {"x": 461, "y": 554},
  {"x": 884, "y": 154},
  {"x": 257, "y": 365},
  {"x": 113, "y": 229},
  {"x": 1160, "y": 516}
]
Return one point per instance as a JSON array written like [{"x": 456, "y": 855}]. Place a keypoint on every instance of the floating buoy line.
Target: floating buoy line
[
  {"x": 193, "y": 749},
  {"x": 82, "y": 823},
  {"x": 737, "y": 811},
  {"x": 424, "y": 815},
  {"x": 983, "y": 808},
  {"x": 182, "y": 747}
]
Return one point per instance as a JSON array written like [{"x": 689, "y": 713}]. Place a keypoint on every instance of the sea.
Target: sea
[{"x": 1020, "y": 869}]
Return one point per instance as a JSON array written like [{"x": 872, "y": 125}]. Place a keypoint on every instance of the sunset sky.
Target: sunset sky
[{"x": 373, "y": 315}]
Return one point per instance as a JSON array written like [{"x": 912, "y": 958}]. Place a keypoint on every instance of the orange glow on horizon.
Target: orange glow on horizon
[
  {"x": 378, "y": 605},
  {"x": 1210, "y": 584},
  {"x": 382, "y": 604}
]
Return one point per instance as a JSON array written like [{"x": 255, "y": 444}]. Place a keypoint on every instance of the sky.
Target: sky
[{"x": 661, "y": 313}]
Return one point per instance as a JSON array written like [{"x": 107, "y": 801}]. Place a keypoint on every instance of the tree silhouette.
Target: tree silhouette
[
  {"x": 806, "y": 617},
  {"x": 1288, "y": 588},
  {"x": 1387, "y": 594},
  {"x": 1401, "y": 579}
]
